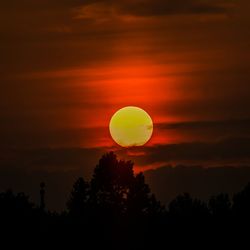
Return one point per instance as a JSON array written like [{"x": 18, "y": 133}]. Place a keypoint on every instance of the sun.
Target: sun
[{"x": 131, "y": 126}]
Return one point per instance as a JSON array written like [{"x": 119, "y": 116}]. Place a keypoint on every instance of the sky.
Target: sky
[{"x": 67, "y": 66}]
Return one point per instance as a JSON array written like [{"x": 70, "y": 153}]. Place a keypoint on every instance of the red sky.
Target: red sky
[{"x": 67, "y": 66}]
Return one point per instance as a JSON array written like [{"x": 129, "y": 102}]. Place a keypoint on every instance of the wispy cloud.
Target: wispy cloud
[{"x": 104, "y": 10}]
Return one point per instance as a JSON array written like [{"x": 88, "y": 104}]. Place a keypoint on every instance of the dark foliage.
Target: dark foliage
[
  {"x": 241, "y": 202},
  {"x": 220, "y": 205},
  {"x": 116, "y": 210},
  {"x": 77, "y": 204}
]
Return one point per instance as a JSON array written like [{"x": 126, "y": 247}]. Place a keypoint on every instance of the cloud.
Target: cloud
[
  {"x": 229, "y": 149},
  {"x": 223, "y": 124},
  {"x": 170, "y": 7},
  {"x": 232, "y": 151},
  {"x": 51, "y": 159},
  {"x": 147, "y": 8},
  {"x": 167, "y": 182},
  {"x": 206, "y": 131}
]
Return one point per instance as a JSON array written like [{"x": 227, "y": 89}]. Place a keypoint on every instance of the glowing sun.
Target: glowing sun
[{"x": 131, "y": 126}]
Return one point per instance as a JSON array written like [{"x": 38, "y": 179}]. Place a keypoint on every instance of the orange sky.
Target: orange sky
[{"x": 68, "y": 66}]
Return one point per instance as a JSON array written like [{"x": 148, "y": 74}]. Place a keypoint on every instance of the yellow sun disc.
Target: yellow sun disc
[{"x": 131, "y": 126}]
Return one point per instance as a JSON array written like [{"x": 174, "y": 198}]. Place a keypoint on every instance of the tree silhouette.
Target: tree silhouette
[
  {"x": 14, "y": 205},
  {"x": 115, "y": 188},
  {"x": 185, "y": 206},
  {"x": 220, "y": 205},
  {"x": 111, "y": 183},
  {"x": 42, "y": 196},
  {"x": 77, "y": 202},
  {"x": 16, "y": 213},
  {"x": 241, "y": 202},
  {"x": 140, "y": 201},
  {"x": 116, "y": 209}
]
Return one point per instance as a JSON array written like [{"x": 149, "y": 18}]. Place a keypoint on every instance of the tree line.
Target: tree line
[{"x": 116, "y": 209}]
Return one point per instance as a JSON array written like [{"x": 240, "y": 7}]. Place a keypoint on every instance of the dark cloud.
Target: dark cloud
[
  {"x": 223, "y": 124},
  {"x": 157, "y": 8},
  {"x": 207, "y": 131},
  {"x": 234, "y": 150},
  {"x": 167, "y": 182},
  {"x": 172, "y": 7},
  {"x": 52, "y": 159}
]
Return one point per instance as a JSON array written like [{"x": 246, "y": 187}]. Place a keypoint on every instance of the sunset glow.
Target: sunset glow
[{"x": 69, "y": 67}]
